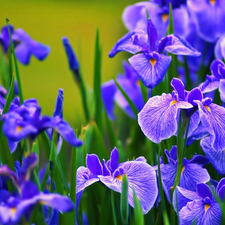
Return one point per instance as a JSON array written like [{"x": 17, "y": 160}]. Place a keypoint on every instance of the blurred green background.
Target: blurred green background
[{"x": 47, "y": 22}]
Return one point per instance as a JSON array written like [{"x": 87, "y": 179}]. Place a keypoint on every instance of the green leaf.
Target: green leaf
[
  {"x": 138, "y": 215},
  {"x": 16, "y": 66},
  {"x": 124, "y": 207},
  {"x": 144, "y": 91},
  {"x": 97, "y": 84},
  {"x": 133, "y": 107},
  {"x": 73, "y": 169}
]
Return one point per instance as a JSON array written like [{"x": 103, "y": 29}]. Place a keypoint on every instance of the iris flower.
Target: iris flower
[
  {"x": 130, "y": 84},
  {"x": 135, "y": 16},
  {"x": 151, "y": 65},
  {"x": 208, "y": 15},
  {"x": 26, "y": 121},
  {"x": 200, "y": 207},
  {"x": 141, "y": 177},
  {"x": 159, "y": 117},
  {"x": 25, "y": 46},
  {"x": 191, "y": 173},
  {"x": 13, "y": 207}
]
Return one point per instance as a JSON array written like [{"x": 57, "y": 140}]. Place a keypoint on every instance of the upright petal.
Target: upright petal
[
  {"x": 159, "y": 117},
  {"x": 151, "y": 71},
  {"x": 152, "y": 35},
  {"x": 94, "y": 165},
  {"x": 141, "y": 178},
  {"x": 178, "y": 46}
]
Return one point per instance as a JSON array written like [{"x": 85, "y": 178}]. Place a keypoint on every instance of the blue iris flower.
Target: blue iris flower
[
  {"x": 151, "y": 65},
  {"x": 191, "y": 173},
  {"x": 141, "y": 177},
  {"x": 25, "y": 46},
  {"x": 200, "y": 207},
  {"x": 26, "y": 121},
  {"x": 130, "y": 84},
  {"x": 14, "y": 207},
  {"x": 135, "y": 17}
]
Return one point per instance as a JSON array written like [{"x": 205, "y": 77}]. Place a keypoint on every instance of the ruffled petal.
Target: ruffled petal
[
  {"x": 150, "y": 71},
  {"x": 141, "y": 178},
  {"x": 196, "y": 211},
  {"x": 159, "y": 117},
  {"x": 222, "y": 89}
]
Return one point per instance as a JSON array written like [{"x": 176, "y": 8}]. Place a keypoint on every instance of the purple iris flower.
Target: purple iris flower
[
  {"x": 3, "y": 93},
  {"x": 191, "y": 173},
  {"x": 200, "y": 207},
  {"x": 209, "y": 17},
  {"x": 141, "y": 177},
  {"x": 130, "y": 84},
  {"x": 26, "y": 121},
  {"x": 135, "y": 17},
  {"x": 151, "y": 65},
  {"x": 72, "y": 59},
  {"x": 216, "y": 80},
  {"x": 174, "y": 3},
  {"x": 14, "y": 206},
  {"x": 25, "y": 46},
  {"x": 159, "y": 117}
]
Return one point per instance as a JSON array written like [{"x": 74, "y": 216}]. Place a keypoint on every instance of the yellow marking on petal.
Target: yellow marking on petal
[
  {"x": 172, "y": 187},
  {"x": 207, "y": 107},
  {"x": 182, "y": 170},
  {"x": 153, "y": 62},
  {"x": 165, "y": 17},
  {"x": 206, "y": 207},
  {"x": 173, "y": 102},
  {"x": 119, "y": 177},
  {"x": 138, "y": 82},
  {"x": 212, "y": 2},
  {"x": 18, "y": 129},
  {"x": 13, "y": 209}
]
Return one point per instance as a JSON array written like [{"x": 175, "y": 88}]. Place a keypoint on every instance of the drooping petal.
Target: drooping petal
[
  {"x": 40, "y": 51},
  {"x": 220, "y": 184},
  {"x": 191, "y": 175},
  {"x": 23, "y": 53},
  {"x": 178, "y": 46},
  {"x": 159, "y": 117},
  {"x": 213, "y": 119},
  {"x": 142, "y": 178},
  {"x": 7, "y": 172},
  {"x": 151, "y": 71},
  {"x": 216, "y": 157},
  {"x": 220, "y": 48},
  {"x": 126, "y": 43},
  {"x": 196, "y": 212}
]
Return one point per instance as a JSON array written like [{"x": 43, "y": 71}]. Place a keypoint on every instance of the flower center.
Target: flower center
[
  {"x": 207, "y": 107},
  {"x": 206, "y": 207},
  {"x": 152, "y": 61},
  {"x": 165, "y": 17},
  {"x": 212, "y": 2},
  {"x": 18, "y": 129},
  {"x": 119, "y": 177},
  {"x": 173, "y": 102}
]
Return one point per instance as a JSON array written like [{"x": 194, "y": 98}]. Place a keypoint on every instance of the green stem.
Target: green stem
[{"x": 113, "y": 208}]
